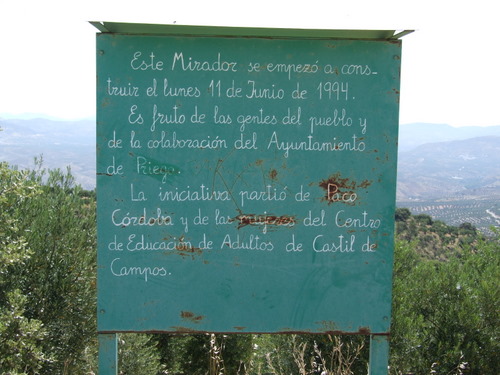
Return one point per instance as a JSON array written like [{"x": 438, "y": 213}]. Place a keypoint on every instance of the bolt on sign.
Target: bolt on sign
[{"x": 245, "y": 179}]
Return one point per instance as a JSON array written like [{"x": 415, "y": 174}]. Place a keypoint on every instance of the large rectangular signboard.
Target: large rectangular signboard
[{"x": 246, "y": 184}]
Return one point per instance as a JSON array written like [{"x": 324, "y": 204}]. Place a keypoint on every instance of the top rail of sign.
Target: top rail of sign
[{"x": 254, "y": 32}]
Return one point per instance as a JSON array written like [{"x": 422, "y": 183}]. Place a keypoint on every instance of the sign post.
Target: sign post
[
  {"x": 246, "y": 179},
  {"x": 108, "y": 354}
]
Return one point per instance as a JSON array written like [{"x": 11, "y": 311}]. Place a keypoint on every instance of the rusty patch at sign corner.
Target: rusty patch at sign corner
[{"x": 341, "y": 189}]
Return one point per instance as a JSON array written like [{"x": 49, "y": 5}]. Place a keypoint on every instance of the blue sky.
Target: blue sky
[{"x": 450, "y": 63}]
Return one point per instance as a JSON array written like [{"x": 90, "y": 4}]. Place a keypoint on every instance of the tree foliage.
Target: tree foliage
[
  {"x": 59, "y": 279},
  {"x": 432, "y": 238},
  {"x": 446, "y": 314},
  {"x": 48, "y": 242},
  {"x": 137, "y": 355},
  {"x": 205, "y": 353},
  {"x": 20, "y": 336},
  {"x": 48, "y": 277}
]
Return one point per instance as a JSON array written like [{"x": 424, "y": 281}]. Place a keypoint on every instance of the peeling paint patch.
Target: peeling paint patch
[
  {"x": 186, "y": 249},
  {"x": 327, "y": 326},
  {"x": 364, "y": 330},
  {"x": 273, "y": 174},
  {"x": 330, "y": 328},
  {"x": 188, "y": 315}
]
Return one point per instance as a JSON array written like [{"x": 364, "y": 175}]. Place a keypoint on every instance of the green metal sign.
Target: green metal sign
[{"x": 245, "y": 184}]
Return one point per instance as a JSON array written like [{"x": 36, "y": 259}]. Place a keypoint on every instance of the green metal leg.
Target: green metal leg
[
  {"x": 108, "y": 354},
  {"x": 379, "y": 355}
]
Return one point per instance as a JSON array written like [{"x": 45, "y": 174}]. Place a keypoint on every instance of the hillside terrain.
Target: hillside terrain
[
  {"x": 416, "y": 134},
  {"x": 451, "y": 174},
  {"x": 61, "y": 143},
  {"x": 450, "y": 170},
  {"x": 434, "y": 239}
]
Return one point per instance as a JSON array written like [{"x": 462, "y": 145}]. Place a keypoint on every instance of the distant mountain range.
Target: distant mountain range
[
  {"x": 416, "y": 134},
  {"x": 61, "y": 143},
  {"x": 451, "y": 170},
  {"x": 436, "y": 161},
  {"x": 440, "y": 162}
]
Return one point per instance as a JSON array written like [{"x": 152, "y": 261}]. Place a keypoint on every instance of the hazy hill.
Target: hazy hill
[
  {"x": 454, "y": 169},
  {"x": 416, "y": 134},
  {"x": 61, "y": 143}
]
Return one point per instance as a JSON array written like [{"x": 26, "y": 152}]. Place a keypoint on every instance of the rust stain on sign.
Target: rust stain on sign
[
  {"x": 341, "y": 189},
  {"x": 265, "y": 220},
  {"x": 185, "y": 248},
  {"x": 330, "y": 327},
  {"x": 188, "y": 315},
  {"x": 182, "y": 330}
]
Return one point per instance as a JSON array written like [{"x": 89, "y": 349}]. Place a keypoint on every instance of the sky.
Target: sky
[{"x": 450, "y": 64}]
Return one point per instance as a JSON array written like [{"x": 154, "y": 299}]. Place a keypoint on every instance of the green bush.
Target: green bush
[{"x": 446, "y": 314}]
